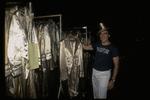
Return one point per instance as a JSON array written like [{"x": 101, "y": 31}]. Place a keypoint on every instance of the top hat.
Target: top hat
[{"x": 102, "y": 28}]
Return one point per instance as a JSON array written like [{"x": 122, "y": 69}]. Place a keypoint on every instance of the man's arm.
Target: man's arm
[
  {"x": 85, "y": 47},
  {"x": 115, "y": 72},
  {"x": 116, "y": 64}
]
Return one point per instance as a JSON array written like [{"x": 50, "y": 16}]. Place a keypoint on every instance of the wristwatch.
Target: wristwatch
[{"x": 112, "y": 80}]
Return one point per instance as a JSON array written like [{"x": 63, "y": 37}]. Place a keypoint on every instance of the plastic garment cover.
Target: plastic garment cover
[
  {"x": 53, "y": 30},
  {"x": 7, "y": 26},
  {"x": 16, "y": 49},
  {"x": 46, "y": 60},
  {"x": 44, "y": 42},
  {"x": 47, "y": 44},
  {"x": 71, "y": 64},
  {"x": 21, "y": 83},
  {"x": 25, "y": 83},
  {"x": 35, "y": 45},
  {"x": 44, "y": 80}
]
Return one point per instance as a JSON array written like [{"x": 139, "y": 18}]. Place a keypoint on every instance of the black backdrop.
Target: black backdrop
[{"x": 127, "y": 23}]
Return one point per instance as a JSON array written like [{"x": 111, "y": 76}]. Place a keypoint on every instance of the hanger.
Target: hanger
[{"x": 70, "y": 35}]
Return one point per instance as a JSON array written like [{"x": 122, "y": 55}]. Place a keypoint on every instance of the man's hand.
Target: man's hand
[
  {"x": 85, "y": 47},
  {"x": 110, "y": 85}
]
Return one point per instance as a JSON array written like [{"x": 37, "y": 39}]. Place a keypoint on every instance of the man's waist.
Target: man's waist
[{"x": 102, "y": 68}]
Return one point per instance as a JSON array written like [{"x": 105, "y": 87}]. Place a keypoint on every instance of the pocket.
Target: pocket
[{"x": 94, "y": 72}]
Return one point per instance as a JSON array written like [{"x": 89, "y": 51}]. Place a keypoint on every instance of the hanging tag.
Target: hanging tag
[{"x": 33, "y": 56}]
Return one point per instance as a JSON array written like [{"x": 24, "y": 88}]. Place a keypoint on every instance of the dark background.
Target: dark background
[{"x": 127, "y": 22}]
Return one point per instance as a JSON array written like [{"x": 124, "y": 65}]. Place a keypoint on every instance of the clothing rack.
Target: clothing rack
[
  {"x": 11, "y": 3},
  {"x": 31, "y": 16},
  {"x": 60, "y": 21}
]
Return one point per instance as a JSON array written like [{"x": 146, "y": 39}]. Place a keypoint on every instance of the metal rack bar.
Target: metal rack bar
[
  {"x": 13, "y": 3},
  {"x": 77, "y": 28},
  {"x": 60, "y": 25},
  {"x": 58, "y": 15}
]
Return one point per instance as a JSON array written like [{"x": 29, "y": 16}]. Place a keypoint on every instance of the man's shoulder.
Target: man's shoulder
[
  {"x": 113, "y": 45},
  {"x": 96, "y": 43}
]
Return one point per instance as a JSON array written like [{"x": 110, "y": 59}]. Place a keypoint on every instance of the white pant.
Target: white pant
[{"x": 100, "y": 81}]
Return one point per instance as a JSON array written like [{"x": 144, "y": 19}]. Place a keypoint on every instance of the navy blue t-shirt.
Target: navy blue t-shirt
[{"x": 104, "y": 56}]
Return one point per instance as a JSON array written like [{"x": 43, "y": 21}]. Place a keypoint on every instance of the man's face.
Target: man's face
[{"x": 104, "y": 36}]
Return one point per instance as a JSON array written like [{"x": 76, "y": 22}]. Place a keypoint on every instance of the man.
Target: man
[{"x": 106, "y": 52}]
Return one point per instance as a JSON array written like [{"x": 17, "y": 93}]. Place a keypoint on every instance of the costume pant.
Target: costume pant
[{"x": 100, "y": 81}]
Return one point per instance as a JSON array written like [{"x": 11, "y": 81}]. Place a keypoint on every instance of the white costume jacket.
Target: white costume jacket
[
  {"x": 17, "y": 43},
  {"x": 71, "y": 63}
]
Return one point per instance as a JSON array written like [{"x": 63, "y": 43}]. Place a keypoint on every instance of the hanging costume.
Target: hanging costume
[
  {"x": 20, "y": 51},
  {"x": 71, "y": 64},
  {"x": 48, "y": 44}
]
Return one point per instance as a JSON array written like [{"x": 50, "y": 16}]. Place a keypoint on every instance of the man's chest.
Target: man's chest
[{"x": 102, "y": 50}]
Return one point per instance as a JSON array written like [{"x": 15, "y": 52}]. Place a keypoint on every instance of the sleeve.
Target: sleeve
[
  {"x": 81, "y": 61},
  {"x": 115, "y": 52},
  {"x": 94, "y": 46},
  {"x": 63, "y": 70}
]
